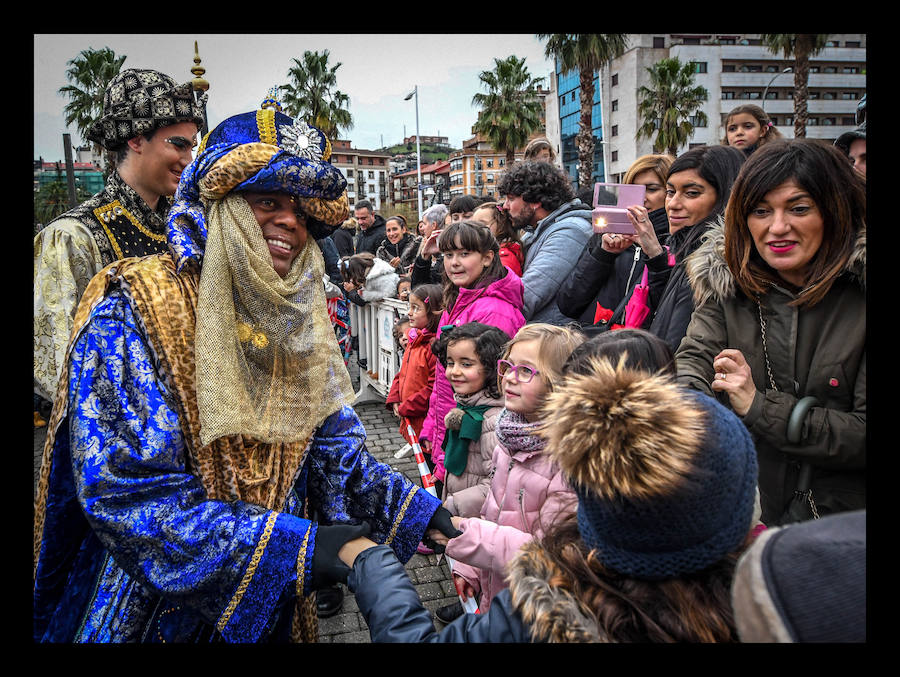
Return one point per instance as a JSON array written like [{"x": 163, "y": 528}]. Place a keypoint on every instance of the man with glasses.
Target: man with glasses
[{"x": 149, "y": 128}]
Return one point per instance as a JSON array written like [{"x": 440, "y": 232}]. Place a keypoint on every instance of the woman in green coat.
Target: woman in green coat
[{"x": 780, "y": 315}]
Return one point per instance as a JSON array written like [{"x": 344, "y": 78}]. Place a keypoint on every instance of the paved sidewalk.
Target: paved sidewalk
[{"x": 430, "y": 577}]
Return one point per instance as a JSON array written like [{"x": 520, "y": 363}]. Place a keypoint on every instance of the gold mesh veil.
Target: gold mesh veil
[{"x": 268, "y": 365}]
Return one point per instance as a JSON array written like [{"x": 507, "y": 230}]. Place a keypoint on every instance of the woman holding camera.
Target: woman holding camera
[
  {"x": 781, "y": 315},
  {"x": 611, "y": 264}
]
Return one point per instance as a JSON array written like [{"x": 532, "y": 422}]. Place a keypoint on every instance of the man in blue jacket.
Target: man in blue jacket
[{"x": 540, "y": 196}]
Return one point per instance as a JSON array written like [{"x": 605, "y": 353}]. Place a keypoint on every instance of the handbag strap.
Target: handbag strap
[{"x": 798, "y": 413}]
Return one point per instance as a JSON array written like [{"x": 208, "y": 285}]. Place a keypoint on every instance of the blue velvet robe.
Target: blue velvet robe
[{"x": 132, "y": 550}]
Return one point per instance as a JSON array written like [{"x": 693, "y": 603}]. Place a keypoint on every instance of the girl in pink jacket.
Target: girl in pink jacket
[
  {"x": 477, "y": 288},
  {"x": 527, "y": 491}
]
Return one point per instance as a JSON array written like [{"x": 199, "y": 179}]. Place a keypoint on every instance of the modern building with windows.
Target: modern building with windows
[{"x": 735, "y": 69}]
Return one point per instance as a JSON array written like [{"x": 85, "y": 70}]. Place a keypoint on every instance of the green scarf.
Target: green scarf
[{"x": 456, "y": 442}]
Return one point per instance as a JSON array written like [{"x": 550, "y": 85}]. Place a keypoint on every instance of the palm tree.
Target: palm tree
[
  {"x": 667, "y": 105},
  {"x": 801, "y": 46},
  {"x": 312, "y": 94},
  {"x": 588, "y": 53},
  {"x": 89, "y": 73},
  {"x": 510, "y": 110}
]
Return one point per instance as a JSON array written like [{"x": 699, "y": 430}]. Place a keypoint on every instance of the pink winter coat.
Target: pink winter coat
[
  {"x": 498, "y": 305},
  {"x": 528, "y": 493}
]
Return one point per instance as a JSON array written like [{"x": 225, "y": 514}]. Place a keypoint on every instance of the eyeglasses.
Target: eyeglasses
[{"x": 524, "y": 373}]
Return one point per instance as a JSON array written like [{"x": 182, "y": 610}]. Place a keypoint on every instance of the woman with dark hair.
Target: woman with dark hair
[
  {"x": 697, "y": 190},
  {"x": 665, "y": 479},
  {"x": 611, "y": 264},
  {"x": 491, "y": 215},
  {"x": 780, "y": 290},
  {"x": 399, "y": 247}
]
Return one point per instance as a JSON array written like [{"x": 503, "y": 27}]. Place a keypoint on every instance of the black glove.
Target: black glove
[
  {"x": 440, "y": 520},
  {"x": 327, "y": 568}
]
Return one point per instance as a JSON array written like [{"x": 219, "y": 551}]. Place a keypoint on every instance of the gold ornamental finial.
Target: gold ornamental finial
[{"x": 198, "y": 83}]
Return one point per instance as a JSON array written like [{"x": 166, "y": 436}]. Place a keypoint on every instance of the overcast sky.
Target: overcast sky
[{"x": 377, "y": 71}]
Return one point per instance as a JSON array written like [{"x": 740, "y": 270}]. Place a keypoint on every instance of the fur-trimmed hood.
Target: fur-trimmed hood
[
  {"x": 710, "y": 276},
  {"x": 551, "y": 612}
]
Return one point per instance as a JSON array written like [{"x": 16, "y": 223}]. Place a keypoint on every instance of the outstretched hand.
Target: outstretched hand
[
  {"x": 441, "y": 528},
  {"x": 327, "y": 567}
]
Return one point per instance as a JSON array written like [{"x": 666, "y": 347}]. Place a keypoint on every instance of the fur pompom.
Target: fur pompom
[
  {"x": 619, "y": 431},
  {"x": 453, "y": 419}
]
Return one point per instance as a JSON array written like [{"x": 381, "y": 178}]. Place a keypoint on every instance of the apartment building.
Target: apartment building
[
  {"x": 367, "y": 173},
  {"x": 735, "y": 69}
]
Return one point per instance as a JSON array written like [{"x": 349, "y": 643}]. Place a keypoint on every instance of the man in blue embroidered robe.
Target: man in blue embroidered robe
[{"x": 205, "y": 413}]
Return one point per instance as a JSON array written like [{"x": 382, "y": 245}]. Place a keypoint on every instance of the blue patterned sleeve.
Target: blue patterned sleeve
[
  {"x": 348, "y": 485},
  {"x": 230, "y": 562}
]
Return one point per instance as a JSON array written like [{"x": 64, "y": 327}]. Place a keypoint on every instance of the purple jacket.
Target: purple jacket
[{"x": 498, "y": 305}]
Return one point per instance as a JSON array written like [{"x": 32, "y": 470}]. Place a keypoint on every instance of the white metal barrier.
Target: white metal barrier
[{"x": 373, "y": 325}]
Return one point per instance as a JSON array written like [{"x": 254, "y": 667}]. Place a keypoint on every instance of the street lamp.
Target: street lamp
[
  {"x": 415, "y": 93},
  {"x": 766, "y": 90}
]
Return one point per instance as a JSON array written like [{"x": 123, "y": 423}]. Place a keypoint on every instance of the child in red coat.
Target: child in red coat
[{"x": 411, "y": 388}]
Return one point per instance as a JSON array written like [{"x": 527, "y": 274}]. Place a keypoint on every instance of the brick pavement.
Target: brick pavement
[{"x": 430, "y": 577}]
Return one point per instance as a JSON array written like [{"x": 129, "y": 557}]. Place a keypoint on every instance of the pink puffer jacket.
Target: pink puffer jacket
[
  {"x": 498, "y": 305},
  {"x": 527, "y": 494}
]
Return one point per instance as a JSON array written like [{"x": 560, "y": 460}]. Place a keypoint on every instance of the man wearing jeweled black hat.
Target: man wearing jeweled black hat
[
  {"x": 205, "y": 414},
  {"x": 149, "y": 125}
]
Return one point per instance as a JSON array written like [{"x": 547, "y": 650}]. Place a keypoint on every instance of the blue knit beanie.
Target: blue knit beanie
[{"x": 665, "y": 476}]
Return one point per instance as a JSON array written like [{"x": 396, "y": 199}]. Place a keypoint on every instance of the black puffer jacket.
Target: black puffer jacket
[
  {"x": 394, "y": 612},
  {"x": 603, "y": 278},
  {"x": 671, "y": 299}
]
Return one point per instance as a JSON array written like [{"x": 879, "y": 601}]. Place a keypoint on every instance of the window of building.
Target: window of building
[
  {"x": 490, "y": 178},
  {"x": 696, "y": 121},
  {"x": 615, "y": 104},
  {"x": 727, "y": 95},
  {"x": 728, "y": 68},
  {"x": 813, "y": 69},
  {"x": 851, "y": 69},
  {"x": 788, "y": 121},
  {"x": 812, "y": 122},
  {"x": 614, "y": 80},
  {"x": 614, "y": 131},
  {"x": 726, "y": 41},
  {"x": 852, "y": 43},
  {"x": 614, "y": 156},
  {"x": 829, "y": 69},
  {"x": 699, "y": 66},
  {"x": 490, "y": 162},
  {"x": 752, "y": 95},
  {"x": 829, "y": 95},
  {"x": 371, "y": 175},
  {"x": 658, "y": 42},
  {"x": 832, "y": 43},
  {"x": 690, "y": 41},
  {"x": 371, "y": 188},
  {"x": 848, "y": 120},
  {"x": 812, "y": 95},
  {"x": 691, "y": 146},
  {"x": 848, "y": 96},
  {"x": 771, "y": 95},
  {"x": 829, "y": 121}
]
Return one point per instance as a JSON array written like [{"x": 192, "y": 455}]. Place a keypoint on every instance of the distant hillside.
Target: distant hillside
[{"x": 431, "y": 152}]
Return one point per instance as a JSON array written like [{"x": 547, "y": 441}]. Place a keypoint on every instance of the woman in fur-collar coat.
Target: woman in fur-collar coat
[{"x": 780, "y": 295}]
